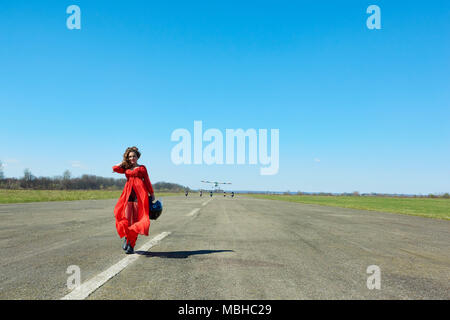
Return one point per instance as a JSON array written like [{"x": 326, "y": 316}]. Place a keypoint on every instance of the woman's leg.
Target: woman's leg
[
  {"x": 135, "y": 212},
  {"x": 131, "y": 238},
  {"x": 129, "y": 212},
  {"x": 132, "y": 218}
]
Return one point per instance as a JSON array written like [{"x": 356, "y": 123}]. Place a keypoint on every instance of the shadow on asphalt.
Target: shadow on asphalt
[{"x": 178, "y": 254}]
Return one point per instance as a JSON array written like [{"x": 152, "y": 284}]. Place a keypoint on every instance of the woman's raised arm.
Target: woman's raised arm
[{"x": 118, "y": 168}]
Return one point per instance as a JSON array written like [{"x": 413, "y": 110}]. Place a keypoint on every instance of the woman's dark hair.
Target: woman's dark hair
[{"x": 126, "y": 164}]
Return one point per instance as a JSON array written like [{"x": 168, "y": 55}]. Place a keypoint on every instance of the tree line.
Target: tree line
[{"x": 67, "y": 182}]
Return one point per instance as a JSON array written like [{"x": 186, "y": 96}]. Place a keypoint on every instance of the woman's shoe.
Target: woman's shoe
[
  {"x": 125, "y": 245},
  {"x": 130, "y": 249}
]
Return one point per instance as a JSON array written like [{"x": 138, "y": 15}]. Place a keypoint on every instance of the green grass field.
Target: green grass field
[
  {"x": 21, "y": 196},
  {"x": 424, "y": 207}
]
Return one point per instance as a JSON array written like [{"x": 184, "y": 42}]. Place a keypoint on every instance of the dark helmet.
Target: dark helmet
[{"x": 155, "y": 210}]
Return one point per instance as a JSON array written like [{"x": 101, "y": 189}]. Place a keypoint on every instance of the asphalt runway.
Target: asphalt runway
[{"x": 224, "y": 248}]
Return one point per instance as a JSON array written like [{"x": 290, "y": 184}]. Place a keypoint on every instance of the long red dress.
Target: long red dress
[{"x": 138, "y": 180}]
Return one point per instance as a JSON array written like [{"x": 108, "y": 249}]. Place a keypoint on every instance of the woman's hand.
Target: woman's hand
[{"x": 152, "y": 197}]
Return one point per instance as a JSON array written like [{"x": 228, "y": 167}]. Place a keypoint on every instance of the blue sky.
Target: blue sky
[{"x": 357, "y": 109}]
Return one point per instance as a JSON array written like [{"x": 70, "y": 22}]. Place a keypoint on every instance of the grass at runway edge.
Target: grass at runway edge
[
  {"x": 423, "y": 207},
  {"x": 23, "y": 196}
]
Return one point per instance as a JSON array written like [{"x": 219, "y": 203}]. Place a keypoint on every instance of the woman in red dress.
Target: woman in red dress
[{"x": 132, "y": 208}]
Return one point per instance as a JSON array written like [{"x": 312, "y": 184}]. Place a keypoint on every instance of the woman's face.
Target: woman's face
[{"x": 132, "y": 158}]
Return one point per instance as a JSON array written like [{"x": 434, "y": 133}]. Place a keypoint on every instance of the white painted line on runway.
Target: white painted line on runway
[
  {"x": 190, "y": 214},
  {"x": 84, "y": 290},
  {"x": 206, "y": 202},
  {"x": 194, "y": 211}
]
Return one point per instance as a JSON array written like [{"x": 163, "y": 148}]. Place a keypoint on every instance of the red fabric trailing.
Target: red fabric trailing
[{"x": 138, "y": 180}]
